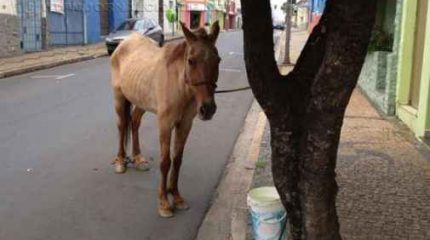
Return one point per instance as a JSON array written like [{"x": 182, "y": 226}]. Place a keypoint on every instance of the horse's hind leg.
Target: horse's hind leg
[
  {"x": 122, "y": 108},
  {"x": 182, "y": 131},
  {"x": 139, "y": 161}
]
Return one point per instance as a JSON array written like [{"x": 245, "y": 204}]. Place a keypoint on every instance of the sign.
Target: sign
[
  {"x": 57, "y": 6},
  {"x": 196, "y": 7}
]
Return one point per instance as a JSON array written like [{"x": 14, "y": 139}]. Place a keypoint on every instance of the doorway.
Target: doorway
[
  {"x": 194, "y": 19},
  {"x": 104, "y": 17},
  {"x": 31, "y": 31},
  {"x": 414, "y": 93}
]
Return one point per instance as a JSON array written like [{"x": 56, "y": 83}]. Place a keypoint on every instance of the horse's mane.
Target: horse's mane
[{"x": 175, "y": 51}]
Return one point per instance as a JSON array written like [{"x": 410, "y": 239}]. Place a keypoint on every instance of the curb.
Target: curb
[
  {"x": 33, "y": 68},
  {"x": 227, "y": 217},
  {"x": 19, "y": 71}
]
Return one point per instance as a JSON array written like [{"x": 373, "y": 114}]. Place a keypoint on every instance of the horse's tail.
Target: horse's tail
[{"x": 127, "y": 117}]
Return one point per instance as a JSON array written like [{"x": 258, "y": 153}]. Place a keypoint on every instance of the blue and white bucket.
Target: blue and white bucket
[{"x": 267, "y": 214}]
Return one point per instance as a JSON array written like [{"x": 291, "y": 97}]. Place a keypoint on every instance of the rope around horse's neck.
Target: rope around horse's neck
[{"x": 233, "y": 90}]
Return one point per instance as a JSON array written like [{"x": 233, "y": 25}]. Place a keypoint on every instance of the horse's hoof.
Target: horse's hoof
[
  {"x": 140, "y": 163},
  {"x": 165, "y": 213},
  {"x": 182, "y": 205},
  {"x": 120, "y": 166}
]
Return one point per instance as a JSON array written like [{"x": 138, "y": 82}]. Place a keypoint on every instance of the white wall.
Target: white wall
[
  {"x": 149, "y": 9},
  {"x": 8, "y": 7},
  {"x": 277, "y": 14}
]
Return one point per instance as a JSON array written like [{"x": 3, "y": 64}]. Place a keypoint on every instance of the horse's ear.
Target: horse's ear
[
  {"x": 189, "y": 36},
  {"x": 213, "y": 35}
]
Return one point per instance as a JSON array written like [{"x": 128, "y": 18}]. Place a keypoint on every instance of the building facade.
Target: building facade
[
  {"x": 199, "y": 13},
  {"x": 231, "y": 19},
  {"x": 10, "y": 36},
  {"x": 22, "y": 26},
  {"x": 66, "y": 20},
  {"x": 378, "y": 78},
  {"x": 301, "y": 15},
  {"x": 317, "y": 8},
  {"x": 413, "y": 82},
  {"x": 150, "y": 9},
  {"x": 193, "y": 13}
]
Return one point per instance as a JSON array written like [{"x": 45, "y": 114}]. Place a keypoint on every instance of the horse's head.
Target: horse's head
[{"x": 202, "y": 67}]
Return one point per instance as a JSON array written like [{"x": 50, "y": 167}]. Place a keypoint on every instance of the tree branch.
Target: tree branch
[{"x": 258, "y": 49}]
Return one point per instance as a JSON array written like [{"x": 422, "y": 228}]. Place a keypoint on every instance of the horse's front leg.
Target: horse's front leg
[
  {"x": 182, "y": 129},
  {"x": 164, "y": 208}
]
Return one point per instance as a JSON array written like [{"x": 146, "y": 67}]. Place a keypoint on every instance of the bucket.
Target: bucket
[{"x": 267, "y": 214}]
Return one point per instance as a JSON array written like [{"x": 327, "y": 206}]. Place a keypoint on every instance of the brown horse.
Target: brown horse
[{"x": 176, "y": 82}]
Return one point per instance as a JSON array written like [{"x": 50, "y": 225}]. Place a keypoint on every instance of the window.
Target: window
[
  {"x": 140, "y": 25},
  {"x": 127, "y": 25}
]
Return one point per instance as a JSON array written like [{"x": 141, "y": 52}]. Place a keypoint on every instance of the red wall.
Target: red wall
[{"x": 314, "y": 21}]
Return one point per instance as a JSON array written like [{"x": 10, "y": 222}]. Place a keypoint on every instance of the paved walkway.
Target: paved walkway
[
  {"x": 383, "y": 173},
  {"x": 54, "y": 57},
  {"x": 383, "y": 176}
]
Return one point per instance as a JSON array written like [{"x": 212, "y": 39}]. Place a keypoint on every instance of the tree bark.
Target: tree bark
[{"x": 306, "y": 107}]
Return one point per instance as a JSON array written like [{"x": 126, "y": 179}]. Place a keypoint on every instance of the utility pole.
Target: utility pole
[
  {"x": 287, "y": 9},
  {"x": 161, "y": 13}
]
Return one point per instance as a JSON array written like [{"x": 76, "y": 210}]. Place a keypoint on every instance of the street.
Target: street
[{"x": 58, "y": 137}]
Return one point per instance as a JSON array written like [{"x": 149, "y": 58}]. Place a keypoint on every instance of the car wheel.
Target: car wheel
[{"x": 161, "y": 42}]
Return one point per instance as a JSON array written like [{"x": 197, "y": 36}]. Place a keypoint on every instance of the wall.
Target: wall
[
  {"x": 302, "y": 18},
  {"x": 168, "y": 26},
  {"x": 317, "y": 8},
  {"x": 185, "y": 12},
  {"x": 92, "y": 18},
  {"x": 118, "y": 13},
  {"x": 378, "y": 78},
  {"x": 417, "y": 119},
  {"x": 9, "y": 29}
]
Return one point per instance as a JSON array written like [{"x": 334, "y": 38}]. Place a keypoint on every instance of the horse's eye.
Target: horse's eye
[{"x": 191, "y": 61}]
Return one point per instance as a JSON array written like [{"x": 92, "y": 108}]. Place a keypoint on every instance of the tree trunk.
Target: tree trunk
[
  {"x": 161, "y": 13},
  {"x": 306, "y": 107},
  {"x": 287, "y": 59}
]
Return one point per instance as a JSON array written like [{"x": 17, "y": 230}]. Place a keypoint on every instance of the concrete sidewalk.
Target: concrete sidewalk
[
  {"x": 383, "y": 174},
  {"x": 54, "y": 57}
]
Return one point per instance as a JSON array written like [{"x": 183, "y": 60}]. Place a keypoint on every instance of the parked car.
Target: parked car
[
  {"x": 279, "y": 26},
  {"x": 144, "y": 26}
]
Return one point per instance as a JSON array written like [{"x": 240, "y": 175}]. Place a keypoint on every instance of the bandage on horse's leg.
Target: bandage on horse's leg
[
  {"x": 122, "y": 108},
  {"x": 139, "y": 161}
]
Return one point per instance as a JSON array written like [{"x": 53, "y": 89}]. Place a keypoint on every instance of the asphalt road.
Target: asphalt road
[{"x": 58, "y": 138}]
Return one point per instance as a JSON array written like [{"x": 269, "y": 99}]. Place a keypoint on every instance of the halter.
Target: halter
[{"x": 195, "y": 84}]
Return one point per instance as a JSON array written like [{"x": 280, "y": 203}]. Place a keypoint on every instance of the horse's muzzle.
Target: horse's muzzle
[{"x": 207, "y": 110}]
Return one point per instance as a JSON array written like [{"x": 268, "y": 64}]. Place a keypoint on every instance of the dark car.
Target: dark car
[
  {"x": 279, "y": 26},
  {"x": 145, "y": 26}
]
